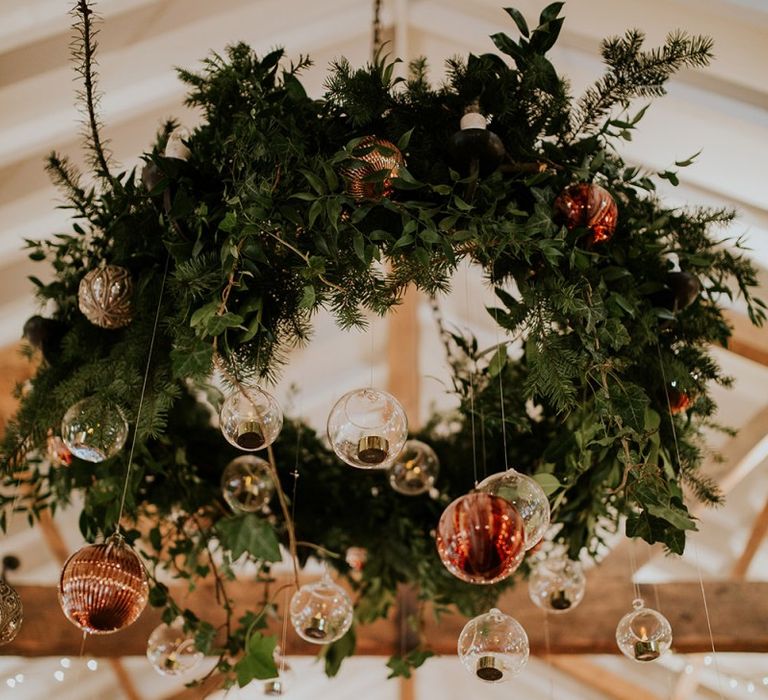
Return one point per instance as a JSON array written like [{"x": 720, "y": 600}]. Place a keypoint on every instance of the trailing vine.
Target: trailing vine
[{"x": 262, "y": 233}]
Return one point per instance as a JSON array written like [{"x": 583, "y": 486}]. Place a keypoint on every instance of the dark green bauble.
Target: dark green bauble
[
  {"x": 473, "y": 146},
  {"x": 45, "y": 334},
  {"x": 680, "y": 291}
]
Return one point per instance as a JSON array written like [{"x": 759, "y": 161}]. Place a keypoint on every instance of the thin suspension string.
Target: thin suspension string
[
  {"x": 143, "y": 392},
  {"x": 694, "y": 545},
  {"x": 633, "y": 570},
  {"x": 376, "y": 33},
  {"x": 295, "y": 475},
  {"x": 501, "y": 399},
  {"x": 471, "y": 384},
  {"x": 550, "y": 669}
]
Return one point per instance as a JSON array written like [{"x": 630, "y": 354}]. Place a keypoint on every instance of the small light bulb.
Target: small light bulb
[
  {"x": 92, "y": 664},
  {"x": 65, "y": 663},
  {"x": 707, "y": 660},
  {"x": 733, "y": 683},
  {"x": 19, "y": 677},
  {"x": 750, "y": 687},
  {"x": 11, "y": 683},
  {"x": 59, "y": 675},
  {"x": 688, "y": 669}
]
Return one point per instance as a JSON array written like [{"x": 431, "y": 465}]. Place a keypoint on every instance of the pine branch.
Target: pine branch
[
  {"x": 635, "y": 73},
  {"x": 67, "y": 178},
  {"x": 83, "y": 48}
]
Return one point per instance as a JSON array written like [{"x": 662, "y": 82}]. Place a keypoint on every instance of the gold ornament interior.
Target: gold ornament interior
[
  {"x": 376, "y": 155},
  {"x": 11, "y": 613},
  {"x": 104, "y": 297}
]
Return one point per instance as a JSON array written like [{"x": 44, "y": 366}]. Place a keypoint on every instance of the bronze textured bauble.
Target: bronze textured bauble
[
  {"x": 589, "y": 206},
  {"x": 481, "y": 538},
  {"x": 11, "y": 613},
  {"x": 103, "y": 587},
  {"x": 371, "y": 156},
  {"x": 104, "y": 297}
]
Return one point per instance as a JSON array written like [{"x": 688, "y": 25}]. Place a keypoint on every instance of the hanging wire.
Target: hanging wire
[
  {"x": 550, "y": 668},
  {"x": 376, "y": 29},
  {"x": 143, "y": 392},
  {"x": 471, "y": 385},
  {"x": 695, "y": 547}
]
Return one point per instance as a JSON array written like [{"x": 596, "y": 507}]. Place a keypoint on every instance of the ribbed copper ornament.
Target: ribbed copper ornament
[
  {"x": 104, "y": 297},
  {"x": 588, "y": 206},
  {"x": 103, "y": 587},
  {"x": 372, "y": 155},
  {"x": 11, "y": 613}
]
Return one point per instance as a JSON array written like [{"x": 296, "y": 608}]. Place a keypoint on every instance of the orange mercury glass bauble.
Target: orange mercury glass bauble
[
  {"x": 679, "y": 401},
  {"x": 371, "y": 156},
  {"x": 103, "y": 587},
  {"x": 481, "y": 538},
  {"x": 590, "y": 206}
]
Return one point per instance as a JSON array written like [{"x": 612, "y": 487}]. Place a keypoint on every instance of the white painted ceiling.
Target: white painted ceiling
[{"x": 723, "y": 110}]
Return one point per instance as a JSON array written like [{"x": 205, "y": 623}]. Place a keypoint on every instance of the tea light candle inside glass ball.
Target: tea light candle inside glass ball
[
  {"x": 321, "y": 612},
  {"x": 644, "y": 634},
  {"x": 171, "y": 650},
  {"x": 367, "y": 428},
  {"x": 493, "y": 647},
  {"x": 250, "y": 418},
  {"x": 94, "y": 429},
  {"x": 557, "y": 584},
  {"x": 415, "y": 469},
  {"x": 246, "y": 484}
]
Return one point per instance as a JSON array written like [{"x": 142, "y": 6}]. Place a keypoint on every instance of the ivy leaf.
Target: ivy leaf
[
  {"x": 259, "y": 660},
  {"x": 498, "y": 361},
  {"x": 218, "y": 324},
  {"x": 192, "y": 361},
  {"x": 548, "y": 482},
  {"x": 249, "y": 533},
  {"x": 403, "y": 665},
  {"x": 339, "y": 650},
  {"x": 307, "y": 298}
]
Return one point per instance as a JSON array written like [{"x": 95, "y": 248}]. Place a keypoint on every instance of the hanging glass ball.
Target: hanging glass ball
[
  {"x": 643, "y": 634},
  {"x": 103, "y": 587},
  {"x": 94, "y": 429},
  {"x": 493, "y": 647},
  {"x": 481, "y": 538},
  {"x": 278, "y": 686},
  {"x": 104, "y": 297},
  {"x": 11, "y": 612},
  {"x": 586, "y": 205},
  {"x": 415, "y": 469},
  {"x": 367, "y": 428},
  {"x": 250, "y": 418},
  {"x": 246, "y": 484},
  {"x": 475, "y": 146},
  {"x": 527, "y": 496},
  {"x": 321, "y": 612},
  {"x": 679, "y": 400},
  {"x": 371, "y": 156},
  {"x": 171, "y": 650},
  {"x": 557, "y": 584}
]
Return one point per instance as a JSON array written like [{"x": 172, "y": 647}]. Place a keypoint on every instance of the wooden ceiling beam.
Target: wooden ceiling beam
[{"x": 737, "y": 611}]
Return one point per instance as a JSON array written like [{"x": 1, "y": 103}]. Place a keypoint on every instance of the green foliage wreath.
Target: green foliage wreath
[{"x": 258, "y": 232}]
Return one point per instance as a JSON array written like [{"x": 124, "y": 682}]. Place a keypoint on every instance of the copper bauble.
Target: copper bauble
[
  {"x": 104, "y": 296},
  {"x": 371, "y": 156},
  {"x": 481, "y": 538},
  {"x": 103, "y": 587},
  {"x": 11, "y": 612},
  {"x": 679, "y": 401},
  {"x": 590, "y": 206}
]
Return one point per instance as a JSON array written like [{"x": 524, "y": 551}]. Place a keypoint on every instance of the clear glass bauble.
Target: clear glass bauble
[
  {"x": 171, "y": 650},
  {"x": 321, "y": 612},
  {"x": 250, "y": 418},
  {"x": 281, "y": 684},
  {"x": 367, "y": 428},
  {"x": 527, "y": 496},
  {"x": 246, "y": 484},
  {"x": 415, "y": 469},
  {"x": 493, "y": 647},
  {"x": 481, "y": 538},
  {"x": 94, "y": 429},
  {"x": 643, "y": 634},
  {"x": 557, "y": 584}
]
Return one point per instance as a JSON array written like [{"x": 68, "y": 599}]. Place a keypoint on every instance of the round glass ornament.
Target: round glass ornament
[
  {"x": 171, "y": 650},
  {"x": 643, "y": 634},
  {"x": 250, "y": 418},
  {"x": 367, "y": 428},
  {"x": 590, "y": 206},
  {"x": 246, "y": 484},
  {"x": 493, "y": 647},
  {"x": 104, "y": 297},
  {"x": 481, "y": 538},
  {"x": 557, "y": 584},
  {"x": 415, "y": 470},
  {"x": 321, "y": 612},
  {"x": 94, "y": 429},
  {"x": 527, "y": 496},
  {"x": 103, "y": 587}
]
